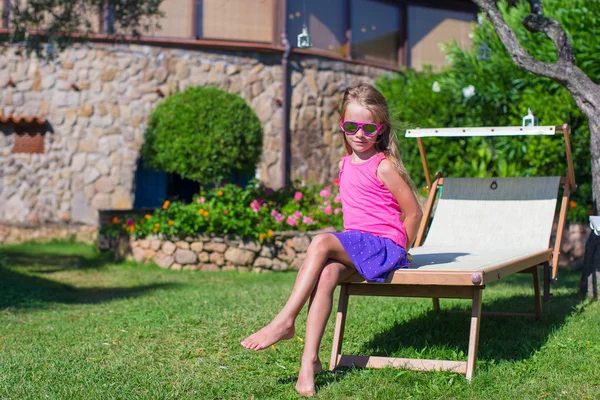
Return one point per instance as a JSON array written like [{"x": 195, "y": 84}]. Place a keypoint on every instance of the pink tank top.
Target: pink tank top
[{"x": 367, "y": 204}]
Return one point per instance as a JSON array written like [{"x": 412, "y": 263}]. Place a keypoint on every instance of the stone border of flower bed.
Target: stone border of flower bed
[{"x": 284, "y": 251}]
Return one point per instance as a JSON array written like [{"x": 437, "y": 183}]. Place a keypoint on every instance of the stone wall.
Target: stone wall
[
  {"x": 317, "y": 142},
  {"x": 286, "y": 251},
  {"x": 98, "y": 98},
  {"x": 12, "y": 234},
  {"x": 572, "y": 248}
]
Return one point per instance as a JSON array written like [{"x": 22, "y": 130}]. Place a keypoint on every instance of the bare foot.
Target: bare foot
[
  {"x": 306, "y": 378},
  {"x": 318, "y": 366},
  {"x": 269, "y": 335}
]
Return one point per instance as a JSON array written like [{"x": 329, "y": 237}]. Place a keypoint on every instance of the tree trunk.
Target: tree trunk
[
  {"x": 593, "y": 114},
  {"x": 591, "y": 263}
]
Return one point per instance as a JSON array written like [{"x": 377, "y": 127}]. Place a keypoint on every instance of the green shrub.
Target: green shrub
[
  {"x": 252, "y": 212},
  {"x": 496, "y": 92},
  {"x": 203, "y": 134}
]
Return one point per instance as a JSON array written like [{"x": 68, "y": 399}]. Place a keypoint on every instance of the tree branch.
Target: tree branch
[
  {"x": 536, "y": 22},
  {"x": 512, "y": 44},
  {"x": 585, "y": 92},
  {"x": 58, "y": 19}
]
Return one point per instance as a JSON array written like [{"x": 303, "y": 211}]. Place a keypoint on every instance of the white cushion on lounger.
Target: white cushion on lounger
[{"x": 463, "y": 258}]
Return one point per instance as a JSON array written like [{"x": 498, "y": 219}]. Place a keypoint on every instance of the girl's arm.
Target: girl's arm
[{"x": 403, "y": 193}]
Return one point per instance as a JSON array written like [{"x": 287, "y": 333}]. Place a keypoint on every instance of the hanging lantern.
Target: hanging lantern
[
  {"x": 484, "y": 52},
  {"x": 530, "y": 119}
]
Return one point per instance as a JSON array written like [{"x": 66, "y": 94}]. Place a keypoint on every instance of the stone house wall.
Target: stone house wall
[{"x": 97, "y": 99}]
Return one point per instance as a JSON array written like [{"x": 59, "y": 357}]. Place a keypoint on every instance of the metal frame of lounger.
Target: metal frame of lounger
[{"x": 467, "y": 279}]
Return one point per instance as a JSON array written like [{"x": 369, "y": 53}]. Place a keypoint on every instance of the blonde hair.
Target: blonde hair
[{"x": 371, "y": 99}]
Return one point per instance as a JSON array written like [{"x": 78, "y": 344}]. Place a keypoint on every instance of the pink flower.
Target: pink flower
[
  {"x": 129, "y": 221},
  {"x": 277, "y": 216},
  {"x": 298, "y": 196},
  {"x": 337, "y": 210},
  {"x": 291, "y": 221},
  {"x": 269, "y": 191},
  {"x": 200, "y": 200},
  {"x": 325, "y": 192},
  {"x": 297, "y": 214},
  {"x": 327, "y": 210},
  {"x": 307, "y": 220},
  {"x": 337, "y": 199},
  {"x": 255, "y": 205}
]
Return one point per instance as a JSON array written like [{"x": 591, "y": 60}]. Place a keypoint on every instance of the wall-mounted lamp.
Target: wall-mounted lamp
[{"x": 304, "y": 39}]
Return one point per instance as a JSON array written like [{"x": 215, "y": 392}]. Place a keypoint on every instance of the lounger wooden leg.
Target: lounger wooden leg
[
  {"x": 547, "y": 272},
  {"x": 474, "y": 334},
  {"x": 537, "y": 294},
  {"x": 436, "y": 304},
  {"x": 340, "y": 322}
]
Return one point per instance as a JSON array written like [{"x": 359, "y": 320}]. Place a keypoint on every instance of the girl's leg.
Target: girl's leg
[
  {"x": 322, "y": 248},
  {"x": 318, "y": 314}
]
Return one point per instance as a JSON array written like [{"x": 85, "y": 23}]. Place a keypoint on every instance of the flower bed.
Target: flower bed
[
  {"x": 229, "y": 227},
  {"x": 254, "y": 212}
]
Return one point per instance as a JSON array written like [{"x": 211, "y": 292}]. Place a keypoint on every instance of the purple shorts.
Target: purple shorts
[{"x": 373, "y": 256}]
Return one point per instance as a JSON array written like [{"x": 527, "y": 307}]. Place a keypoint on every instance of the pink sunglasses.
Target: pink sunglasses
[{"x": 370, "y": 129}]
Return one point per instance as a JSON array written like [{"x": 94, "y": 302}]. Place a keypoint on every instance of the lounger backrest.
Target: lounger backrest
[{"x": 495, "y": 213}]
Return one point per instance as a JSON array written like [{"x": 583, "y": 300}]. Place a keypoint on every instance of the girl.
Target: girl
[{"x": 375, "y": 190}]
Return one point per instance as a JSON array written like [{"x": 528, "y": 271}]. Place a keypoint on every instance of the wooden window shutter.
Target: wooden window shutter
[{"x": 30, "y": 141}]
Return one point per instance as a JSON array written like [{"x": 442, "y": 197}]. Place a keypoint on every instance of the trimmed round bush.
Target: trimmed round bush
[{"x": 203, "y": 134}]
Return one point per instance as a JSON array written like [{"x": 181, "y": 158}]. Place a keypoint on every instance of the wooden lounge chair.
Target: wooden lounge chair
[{"x": 483, "y": 229}]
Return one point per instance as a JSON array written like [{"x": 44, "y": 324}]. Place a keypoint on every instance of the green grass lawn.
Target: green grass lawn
[{"x": 74, "y": 325}]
